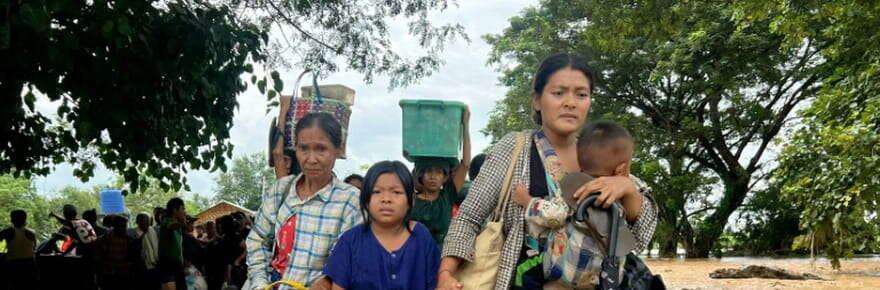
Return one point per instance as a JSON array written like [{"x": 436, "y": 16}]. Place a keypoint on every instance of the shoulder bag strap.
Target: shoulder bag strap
[{"x": 504, "y": 197}]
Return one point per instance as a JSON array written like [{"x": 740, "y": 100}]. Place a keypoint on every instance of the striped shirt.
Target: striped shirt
[{"x": 321, "y": 219}]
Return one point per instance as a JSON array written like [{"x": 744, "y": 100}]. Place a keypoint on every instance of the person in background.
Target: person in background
[
  {"x": 355, "y": 180},
  {"x": 171, "y": 264},
  {"x": 440, "y": 187},
  {"x": 193, "y": 250},
  {"x": 200, "y": 232},
  {"x": 158, "y": 216},
  {"x": 82, "y": 237},
  {"x": 114, "y": 255},
  {"x": 222, "y": 252},
  {"x": 210, "y": 232},
  {"x": 79, "y": 230},
  {"x": 21, "y": 268},
  {"x": 302, "y": 216},
  {"x": 107, "y": 222},
  {"x": 146, "y": 251},
  {"x": 387, "y": 251},
  {"x": 91, "y": 216},
  {"x": 476, "y": 164}
]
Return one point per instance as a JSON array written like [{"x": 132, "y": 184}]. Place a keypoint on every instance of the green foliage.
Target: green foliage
[
  {"x": 197, "y": 204},
  {"x": 769, "y": 225},
  {"x": 829, "y": 165},
  {"x": 144, "y": 87},
  {"x": 19, "y": 193},
  {"x": 148, "y": 87},
  {"x": 712, "y": 94},
  {"x": 245, "y": 183},
  {"x": 319, "y": 34}
]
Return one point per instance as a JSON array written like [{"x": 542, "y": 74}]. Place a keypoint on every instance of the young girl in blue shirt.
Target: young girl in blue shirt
[{"x": 387, "y": 251}]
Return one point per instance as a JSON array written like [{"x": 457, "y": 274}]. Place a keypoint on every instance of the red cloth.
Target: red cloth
[{"x": 284, "y": 245}]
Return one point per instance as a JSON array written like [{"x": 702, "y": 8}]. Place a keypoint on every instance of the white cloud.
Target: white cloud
[{"x": 375, "y": 126}]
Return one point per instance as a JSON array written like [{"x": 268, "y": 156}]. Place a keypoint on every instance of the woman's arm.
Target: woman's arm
[
  {"x": 278, "y": 148},
  {"x": 259, "y": 254},
  {"x": 445, "y": 276},
  {"x": 461, "y": 171},
  {"x": 477, "y": 206}
]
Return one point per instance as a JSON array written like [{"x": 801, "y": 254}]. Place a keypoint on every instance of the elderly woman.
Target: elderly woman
[
  {"x": 561, "y": 102},
  {"x": 303, "y": 215}
]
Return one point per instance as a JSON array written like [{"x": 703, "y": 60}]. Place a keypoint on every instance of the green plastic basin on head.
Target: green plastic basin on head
[{"x": 431, "y": 128}]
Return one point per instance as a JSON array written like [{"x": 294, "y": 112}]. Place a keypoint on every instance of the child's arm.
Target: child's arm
[
  {"x": 550, "y": 213},
  {"x": 459, "y": 174}
]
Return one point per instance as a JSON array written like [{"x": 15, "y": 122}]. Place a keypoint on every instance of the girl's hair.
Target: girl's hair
[
  {"x": 422, "y": 167},
  {"x": 553, "y": 64},
  {"x": 406, "y": 179},
  {"x": 326, "y": 122}
]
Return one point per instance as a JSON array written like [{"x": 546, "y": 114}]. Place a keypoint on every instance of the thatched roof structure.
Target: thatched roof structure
[{"x": 218, "y": 210}]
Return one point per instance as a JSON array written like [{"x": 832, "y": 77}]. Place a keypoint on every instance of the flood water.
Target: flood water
[{"x": 862, "y": 272}]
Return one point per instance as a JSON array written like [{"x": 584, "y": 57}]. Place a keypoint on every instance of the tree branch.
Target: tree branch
[
  {"x": 337, "y": 50},
  {"x": 699, "y": 211},
  {"x": 717, "y": 140},
  {"x": 795, "y": 98}
]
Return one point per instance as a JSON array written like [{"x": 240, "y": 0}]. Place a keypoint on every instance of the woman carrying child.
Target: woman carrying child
[
  {"x": 561, "y": 101},
  {"x": 389, "y": 250}
]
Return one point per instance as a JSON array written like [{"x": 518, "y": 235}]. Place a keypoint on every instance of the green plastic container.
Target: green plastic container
[{"x": 431, "y": 129}]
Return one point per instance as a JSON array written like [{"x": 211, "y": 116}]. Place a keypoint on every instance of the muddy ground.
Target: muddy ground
[{"x": 694, "y": 274}]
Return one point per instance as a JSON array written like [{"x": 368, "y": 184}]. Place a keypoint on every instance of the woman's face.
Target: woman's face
[
  {"x": 564, "y": 102},
  {"x": 315, "y": 153},
  {"x": 434, "y": 178},
  {"x": 388, "y": 204}
]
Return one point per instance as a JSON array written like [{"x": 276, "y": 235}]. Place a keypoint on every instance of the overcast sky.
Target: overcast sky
[{"x": 375, "y": 128}]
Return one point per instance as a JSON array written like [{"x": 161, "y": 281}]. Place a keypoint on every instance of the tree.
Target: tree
[
  {"x": 145, "y": 87},
  {"x": 148, "y": 87},
  {"x": 717, "y": 93},
  {"x": 829, "y": 165},
  {"x": 19, "y": 193},
  {"x": 319, "y": 34},
  {"x": 245, "y": 183}
]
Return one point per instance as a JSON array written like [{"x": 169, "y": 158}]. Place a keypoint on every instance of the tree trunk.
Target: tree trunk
[
  {"x": 668, "y": 247},
  {"x": 711, "y": 228},
  {"x": 687, "y": 239}
]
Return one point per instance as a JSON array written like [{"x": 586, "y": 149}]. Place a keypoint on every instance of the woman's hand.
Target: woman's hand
[
  {"x": 521, "y": 195},
  {"x": 445, "y": 281}
]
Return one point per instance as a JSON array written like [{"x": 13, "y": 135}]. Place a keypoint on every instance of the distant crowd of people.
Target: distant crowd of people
[{"x": 165, "y": 250}]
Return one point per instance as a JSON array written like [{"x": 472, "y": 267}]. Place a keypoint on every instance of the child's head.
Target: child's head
[
  {"x": 432, "y": 174},
  {"x": 388, "y": 194},
  {"x": 604, "y": 149}
]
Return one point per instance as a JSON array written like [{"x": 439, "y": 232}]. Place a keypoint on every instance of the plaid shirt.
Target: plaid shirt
[
  {"x": 321, "y": 219},
  {"x": 483, "y": 196}
]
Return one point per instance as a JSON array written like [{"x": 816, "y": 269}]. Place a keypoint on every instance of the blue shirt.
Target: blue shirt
[{"x": 360, "y": 262}]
